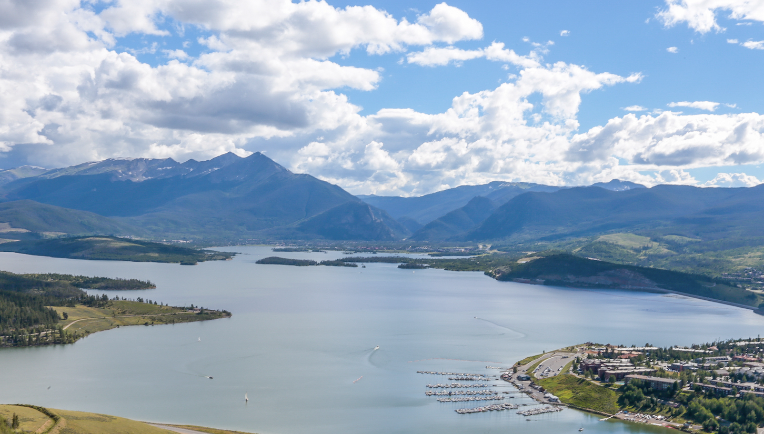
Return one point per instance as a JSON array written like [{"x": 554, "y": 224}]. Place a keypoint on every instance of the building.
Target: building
[
  {"x": 684, "y": 366},
  {"x": 620, "y": 374},
  {"x": 718, "y": 359},
  {"x": 656, "y": 383},
  {"x": 717, "y": 390}
]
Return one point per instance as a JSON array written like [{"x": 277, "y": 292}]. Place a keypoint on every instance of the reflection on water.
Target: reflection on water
[{"x": 301, "y": 345}]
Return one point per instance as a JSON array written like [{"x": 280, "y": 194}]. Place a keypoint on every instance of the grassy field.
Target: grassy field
[
  {"x": 77, "y": 422},
  {"x": 581, "y": 393},
  {"x": 528, "y": 360},
  {"x": 84, "y": 320}
]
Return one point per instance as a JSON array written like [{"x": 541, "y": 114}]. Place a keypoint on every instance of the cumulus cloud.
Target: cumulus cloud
[
  {"x": 176, "y": 54},
  {"x": 635, "y": 108},
  {"x": 700, "y": 15},
  {"x": 672, "y": 50},
  {"x": 732, "y": 180},
  {"x": 753, "y": 45},
  {"x": 701, "y": 105},
  {"x": 267, "y": 73},
  {"x": 269, "y": 80},
  {"x": 732, "y": 41},
  {"x": 439, "y": 56},
  {"x": 565, "y": 33}
]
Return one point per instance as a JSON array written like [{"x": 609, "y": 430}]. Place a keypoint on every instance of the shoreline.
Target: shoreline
[
  {"x": 535, "y": 391},
  {"x": 45, "y": 420}
]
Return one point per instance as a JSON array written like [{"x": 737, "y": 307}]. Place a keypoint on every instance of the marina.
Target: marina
[
  {"x": 471, "y": 398},
  {"x": 540, "y": 410},
  {"x": 462, "y": 392},
  {"x": 495, "y": 407},
  {"x": 452, "y": 374},
  {"x": 456, "y": 385},
  {"x": 469, "y": 378}
]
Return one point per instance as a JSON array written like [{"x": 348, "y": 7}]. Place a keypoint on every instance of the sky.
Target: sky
[{"x": 393, "y": 97}]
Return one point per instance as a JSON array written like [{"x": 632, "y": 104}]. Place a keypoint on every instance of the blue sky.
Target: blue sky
[{"x": 645, "y": 91}]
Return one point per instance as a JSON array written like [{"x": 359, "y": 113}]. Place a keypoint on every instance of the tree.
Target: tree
[
  {"x": 611, "y": 379},
  {"x": 710, "y": 425},
  {"x": 15, "y": 421},
  {"x": 66, "y": 316}
]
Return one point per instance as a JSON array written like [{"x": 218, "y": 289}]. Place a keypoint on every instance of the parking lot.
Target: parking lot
[{"x": 553, "y": 365}]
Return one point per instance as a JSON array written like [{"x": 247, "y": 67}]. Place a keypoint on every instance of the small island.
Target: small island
[
  {"x": 275, "y": 260},
  {"x": 713, "y": 387},
  {"x": 49, "y": 309}
]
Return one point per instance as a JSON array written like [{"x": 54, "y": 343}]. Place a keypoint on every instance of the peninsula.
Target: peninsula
[
  {"x": 714, "y": 387},
  {"x": 563, "y": 269},
  {"x": 47, "y": 309},
  {"x": 113, "y": 249}
]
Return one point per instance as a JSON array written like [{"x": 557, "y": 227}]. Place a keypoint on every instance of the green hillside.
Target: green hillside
[
  {"x": 456, "y": 222},
  {"x": 113, "y": 248},
  {"x": 37, "y": 217},
  {"x": 569, "y": 270},
  {"x": 353, "y": 221}
]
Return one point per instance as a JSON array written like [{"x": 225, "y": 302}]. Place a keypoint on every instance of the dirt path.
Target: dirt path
[{"x": 119, "y": 316}]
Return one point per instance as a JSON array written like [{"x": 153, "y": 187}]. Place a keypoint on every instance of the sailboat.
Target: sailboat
[{"x": 246, "y": 399}]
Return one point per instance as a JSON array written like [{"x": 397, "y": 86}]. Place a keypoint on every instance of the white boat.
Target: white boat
[
  {"x": 580, "y": 429},
  {"x": 246, "y": 399},
  {"x": 376, "y": 348}
]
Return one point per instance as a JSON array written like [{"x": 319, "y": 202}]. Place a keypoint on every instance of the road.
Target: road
[{"x": 551, "y": 364}]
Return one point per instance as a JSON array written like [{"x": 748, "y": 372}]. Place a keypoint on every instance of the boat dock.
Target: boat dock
[
  {"x": 462, "y": 392},
  {"x": 495, "y": 407},
  {"x": 456, "y": 385},
  {"x": 540, "y": 410},
  {"x": 471, "y": 398}
]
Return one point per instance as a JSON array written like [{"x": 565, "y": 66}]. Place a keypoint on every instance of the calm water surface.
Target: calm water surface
[{"x": 301, "y": 344}]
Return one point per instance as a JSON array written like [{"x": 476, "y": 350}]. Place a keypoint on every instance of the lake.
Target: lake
[{"x": 301, "y": 345}]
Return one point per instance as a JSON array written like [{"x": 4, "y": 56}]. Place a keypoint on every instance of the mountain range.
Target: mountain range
[
  {"x": 235, "y": 198},
  {"x": 225, "y": 197}
]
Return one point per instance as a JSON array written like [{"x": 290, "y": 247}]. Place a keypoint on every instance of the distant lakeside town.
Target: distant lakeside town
[{"x": 716, "y": 387}]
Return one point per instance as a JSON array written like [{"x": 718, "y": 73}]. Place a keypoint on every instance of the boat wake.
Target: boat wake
[{"x": 519, "y": 334}]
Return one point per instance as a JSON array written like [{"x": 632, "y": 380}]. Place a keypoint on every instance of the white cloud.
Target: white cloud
[
  {"x": 176, "y": 54},
  {"x": 701, "y": 105},
  {"x": 732, "y": 41},
  {"x": 674, "y": 141},
  {"x": 635, "y": 108},
  {"x": 700, "y": 15},
  {"x": 733, "y": 180},
  {"x": 753, "y": 45},
  {"x": 267, "y": 73},
  {"x": 565, "y": 33},
  {"x": 435, "y": 56},
  {"x": 672, "y": 50},
  {"x": 268, "y": 81}
]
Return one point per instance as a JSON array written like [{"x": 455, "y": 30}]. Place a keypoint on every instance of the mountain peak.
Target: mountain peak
[{"x": 618, "y": 185}]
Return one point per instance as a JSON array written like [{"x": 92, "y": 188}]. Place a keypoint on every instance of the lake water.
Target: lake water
[{"x": 301, "y": 345}]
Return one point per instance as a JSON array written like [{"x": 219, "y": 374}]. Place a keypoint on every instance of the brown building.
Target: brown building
[{"x": 656, "y": 383}]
